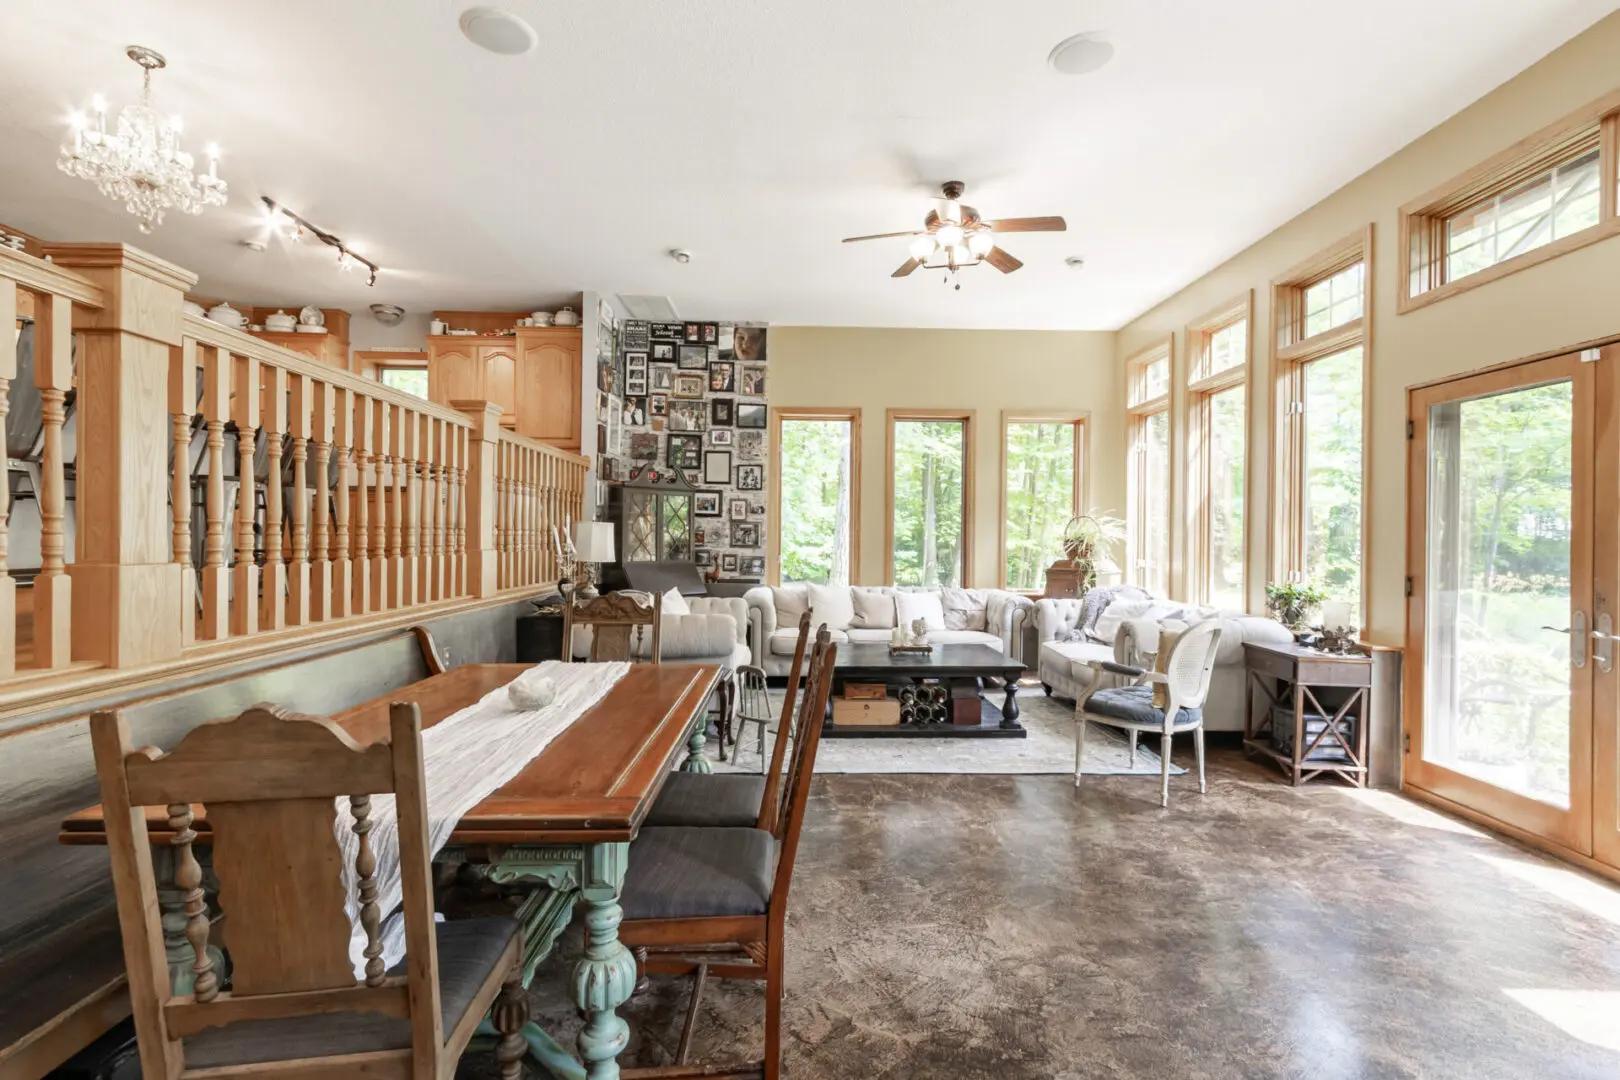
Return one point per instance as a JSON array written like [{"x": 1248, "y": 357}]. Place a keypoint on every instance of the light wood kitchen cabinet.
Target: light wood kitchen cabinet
[{"x": 534, "y": 377}]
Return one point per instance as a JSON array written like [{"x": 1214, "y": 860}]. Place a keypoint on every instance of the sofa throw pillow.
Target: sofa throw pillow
[
  {"x": 1167, "y": 642},
  {"x": 964, "y": 609},
  {"x": 790, "y": 604},
  {"x": 830, "y": 604},
  {"x": 911, "y": 606},
  {"x": 1106, "y": 628},
  {"x": 874, "y": 609},
  {"x": 675, "y": 603},
  {"x": 1096, "y": 601}
]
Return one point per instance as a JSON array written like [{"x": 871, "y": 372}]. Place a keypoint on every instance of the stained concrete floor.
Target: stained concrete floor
[{"x": 998, "y": 926}]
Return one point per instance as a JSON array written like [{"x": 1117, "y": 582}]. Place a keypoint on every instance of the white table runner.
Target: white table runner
[{"x": 466, "y": 757}]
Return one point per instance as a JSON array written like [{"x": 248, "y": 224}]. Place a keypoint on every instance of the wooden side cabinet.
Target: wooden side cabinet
[
  {"x": 1308, "y": 711},
  {"x": 548, "y": 384}
]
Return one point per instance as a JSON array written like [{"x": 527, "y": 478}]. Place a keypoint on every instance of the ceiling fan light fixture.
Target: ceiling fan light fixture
[
  {"x": 981, "y": 242},
  {"x": 949, "y": 235},
  {"x": 1081, "y": 54},
  {"x": 922, "y": 248}
]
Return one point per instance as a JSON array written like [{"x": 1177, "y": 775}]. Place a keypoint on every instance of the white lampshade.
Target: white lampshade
[{"x": 593, "y": 541}]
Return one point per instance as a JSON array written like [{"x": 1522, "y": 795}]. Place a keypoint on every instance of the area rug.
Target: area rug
[{"x": 1048, "y": 749}]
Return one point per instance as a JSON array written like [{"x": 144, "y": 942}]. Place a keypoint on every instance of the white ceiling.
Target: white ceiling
[{"x": 756, "y": 133}]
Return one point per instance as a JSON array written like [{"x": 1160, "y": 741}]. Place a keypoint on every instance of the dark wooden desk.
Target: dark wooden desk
[
  {"x": 565, "y": 821},
  {"x": 1290, "y": 678}
]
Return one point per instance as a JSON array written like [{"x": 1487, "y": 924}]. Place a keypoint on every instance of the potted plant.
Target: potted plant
[
  {"x": 1086, "y": 539},
  {"x": 1291, "y": 603}
]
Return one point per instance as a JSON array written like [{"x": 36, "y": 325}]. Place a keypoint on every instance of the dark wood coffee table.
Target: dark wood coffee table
[{"x": 946, "y": 664}]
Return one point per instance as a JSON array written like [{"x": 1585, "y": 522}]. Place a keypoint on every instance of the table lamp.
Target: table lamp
[{"x": 593, "y": 545}]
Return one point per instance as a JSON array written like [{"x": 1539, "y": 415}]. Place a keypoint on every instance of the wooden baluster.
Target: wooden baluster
[
  {"x": 381, "y": 598},
  {"x": 396, "y": 509},
  {"x": 320, "y": 540},
  {"x": 53, "y": 374},
  {"x": 8, "y": 584},
  {"x": 520, "y": 525},
  {"x": 363, "y": 445},
  {"x": 188, "y": 877},
  {"x": 273, "y": 583},
  {"x": 245, "y": 575},
  {"x": 548, "y": 570},
  {"x": 365, "y": 872},
  {"x": 410, "y": 504},
  {"x": 426, "y": 497},
  {"x": 530, "y": 501},
  {"x": 458, "y": 517},
  {"x": 342, "y": 439},
  {"x": 447, "y": 472},
  {"x": 300, "y": 406},
  {"x": 504, "y": 545},
  {"x": 216, "y": 587}
]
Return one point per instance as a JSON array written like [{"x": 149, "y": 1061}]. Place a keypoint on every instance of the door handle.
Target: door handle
[
  {"x": 1604, "y": 649},
  {"x": 1577, "y": 637}
]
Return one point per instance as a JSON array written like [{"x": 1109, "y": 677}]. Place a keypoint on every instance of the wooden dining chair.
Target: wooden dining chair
[
  {"x": 618, "y": 623},
  {"x": 721, "y": 800},
  {"x": 713, "y": 901},
  {"x": 272, "y": 785}
]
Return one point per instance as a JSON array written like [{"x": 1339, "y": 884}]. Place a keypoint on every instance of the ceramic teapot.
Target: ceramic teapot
[
  {"x": 281, "y": 322},
  {"x": 226, "y": 315},
  {"x": 565, "y": 317}
]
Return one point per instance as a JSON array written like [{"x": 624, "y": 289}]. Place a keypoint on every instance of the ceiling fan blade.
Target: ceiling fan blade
[
  {"x": 1030, "y": 224},
  {"x": 879, "y": 236},
  {"x": 1002, "y": 261},
  {"x": 906, "y": 268}
]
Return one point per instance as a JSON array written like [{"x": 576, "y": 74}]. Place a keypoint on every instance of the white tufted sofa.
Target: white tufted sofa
[
  {"x": 993, "y": 617},
  {"x": 1062, "y": 665}
]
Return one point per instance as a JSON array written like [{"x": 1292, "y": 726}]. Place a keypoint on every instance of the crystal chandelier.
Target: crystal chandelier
[{"x": 141, "y": 163}]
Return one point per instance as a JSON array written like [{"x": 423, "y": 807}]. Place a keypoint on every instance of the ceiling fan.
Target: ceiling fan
[{"x": 954, "y": 236}]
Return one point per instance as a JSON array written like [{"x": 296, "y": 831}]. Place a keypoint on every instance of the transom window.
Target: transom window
[{"x": 1333, "y": 301}]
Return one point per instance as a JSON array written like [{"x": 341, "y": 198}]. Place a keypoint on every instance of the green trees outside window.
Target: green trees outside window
[
  {"x": 930, "y": 463},
  {"x": 815, "y": 505},
  {"x": 1330, "y": 521},
  {"x": 1041, "y": 459}
]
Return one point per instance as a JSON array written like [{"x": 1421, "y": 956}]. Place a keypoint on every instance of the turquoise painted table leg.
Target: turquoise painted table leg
[
  {"x": 606, "y": 975},
  {"x": 695, "y": 759}
]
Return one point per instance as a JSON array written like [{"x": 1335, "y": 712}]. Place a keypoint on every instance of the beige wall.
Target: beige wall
[
  {"x": 1564, "y": 302},
  {"x": 983, "y": 370}
]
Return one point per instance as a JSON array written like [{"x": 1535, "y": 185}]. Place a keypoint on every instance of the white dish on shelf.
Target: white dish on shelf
[
  {"x": 281, "y": 322},
  {"x": 305, "y": 328},
  {"x": 194, "y": 308}
]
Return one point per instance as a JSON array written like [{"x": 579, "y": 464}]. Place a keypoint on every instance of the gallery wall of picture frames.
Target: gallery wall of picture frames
[{"x": 694, "y": 396}]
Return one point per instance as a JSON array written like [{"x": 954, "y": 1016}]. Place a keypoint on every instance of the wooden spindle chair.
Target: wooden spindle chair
[
  {"x": 614, "y": 620},
  {"x": 713, "y": 901},
  {"x": 270, "y": 786},
  {"x": 737, "y": 800}
]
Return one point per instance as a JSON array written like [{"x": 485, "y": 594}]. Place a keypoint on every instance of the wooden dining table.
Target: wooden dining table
[{"x": 565, "y": 822}]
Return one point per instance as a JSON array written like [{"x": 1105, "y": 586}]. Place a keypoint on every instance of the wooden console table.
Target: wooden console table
[{"x": 1288, "y": 678}]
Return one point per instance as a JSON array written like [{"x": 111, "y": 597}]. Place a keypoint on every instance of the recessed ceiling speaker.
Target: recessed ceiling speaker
[
  {"x": 1080, "y": 55},
  {"x": 388, "y": 314},
  {"x": 498, "y": 31}
]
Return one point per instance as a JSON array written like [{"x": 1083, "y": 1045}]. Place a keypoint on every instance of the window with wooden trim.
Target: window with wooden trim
[
  {"x": 409, "y": 380},
  {"x": 1217, "y": 412},
  {"x": 930, "y": 497},
  {"x": 1321, "y": 371},
  {"x": 1042, "y": 487},
  {"x": 1148, "y": 492},
  {"x": 1550, "y": 193},
  {"x": 816, "y": 460}
]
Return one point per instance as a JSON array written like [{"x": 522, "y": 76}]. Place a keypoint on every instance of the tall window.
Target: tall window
[
  {"x": 1042, "y": 487},
  {"x": 1321, "y": 375},
  {"x": 816, "y": 463},
  {"x": 1147, "y": 511},
  {"x": 1549, "y": 194},
  {"x": 1217, "y": 398},
  {"x": 930, "y": 497},
  {"x": 411, "y": 380}
]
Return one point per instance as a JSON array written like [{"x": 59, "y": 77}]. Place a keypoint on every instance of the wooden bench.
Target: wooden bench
[{"x": 61, "y": 963}]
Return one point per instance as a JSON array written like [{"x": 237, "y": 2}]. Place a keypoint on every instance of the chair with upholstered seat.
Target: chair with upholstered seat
[
  {"x": 1185, "y": 677},
  {"x": 272, "y": 785},
  {"x": 733, "y": 800},
  {"x": 704, "y": 901}
]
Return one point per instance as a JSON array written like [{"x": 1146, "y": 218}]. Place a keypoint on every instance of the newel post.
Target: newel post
[
  {"x": 128, "y": 603},
  {"x": 486, "y": 431}
]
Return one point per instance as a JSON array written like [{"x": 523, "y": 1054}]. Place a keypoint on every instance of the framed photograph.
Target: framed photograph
[
  {"x": 727, "y": 338},
  {"x": 692, "y": 332},
  {"x": 722, "y": 378},
  {"x": 687, "y": 415},
  {"x": 728, "y": 563},
  {"x": 601, "y": 439},
  {"x": 720, "y": 412},
  {"x": 753, "y": 380},
  {"x": 663, "y": 352},
  {"x": 634, "y": 335},
  {"x": 635, "y": 412},
  {"x": 739, "y": 509},
  {"x": 719, "y": 436},
  {"x": 601, "y": 406},
  {"x": 658, "y": 405},
  {"x": 692, "y": 357},
  {"x": 717, "y": 468},
  {"x": 657, "y": 423},
  {"x": 745, "y": 534},
  {"x": 661, "y": 378},
  {"x": 668, "y": 331},
  {"x": 700, "y": 534},
  {"x": 757, "y": 509},
  {"x": 635, "y": 361},
  {"x": 751, "y": 446},
  {"x": 748, "y": 343},
  {"x": 704, "y": 557},
  {"x": 689, "y": 384},
  {"x": 615, "y": 426},
  {"x": 609, "y": 468},
  {"x": 606, "y": 374},
  {"x": 644, "y": 446},
  {"x": 635, "y": 383},
  {"x": 711, "y": 333},
  {"x": 751, "y": 566},
  {"x": 750, "y": 415},
  {"x": 686, "y": 451},
  {"x": 706, "y": 503},
  {"x": 750, "y": 478}
]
